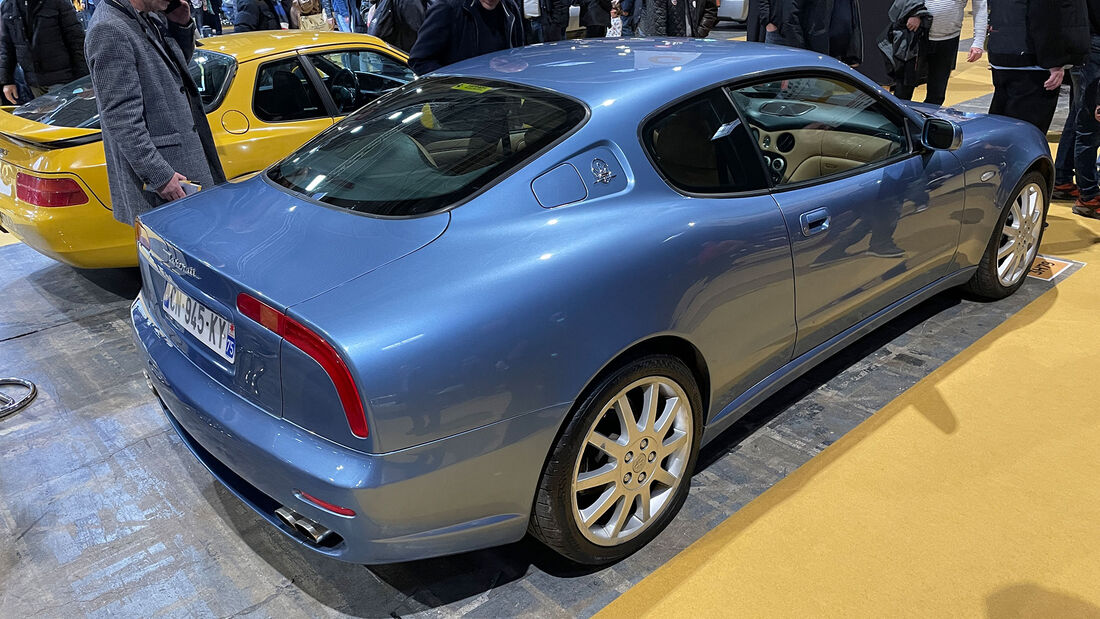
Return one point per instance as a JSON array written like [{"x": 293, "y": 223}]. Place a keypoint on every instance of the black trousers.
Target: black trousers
[
  {"x": 1020, "y": 94},
  {"x": 938, "y": 61}
]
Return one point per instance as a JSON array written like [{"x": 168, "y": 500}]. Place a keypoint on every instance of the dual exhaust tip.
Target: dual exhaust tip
[{"x": 306, "y": 527}]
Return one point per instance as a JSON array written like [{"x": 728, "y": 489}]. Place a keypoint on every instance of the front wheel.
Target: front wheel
[
  {"x": 622, "y": 467},
  {"x": 1015, "y": 242}
]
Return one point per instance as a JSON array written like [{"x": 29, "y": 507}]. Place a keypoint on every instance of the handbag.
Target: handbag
[
  {"x": 308, "y": 7},
  {"x": 314, "y": 22}
]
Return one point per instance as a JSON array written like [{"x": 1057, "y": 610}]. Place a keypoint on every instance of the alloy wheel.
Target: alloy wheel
[
  {"x": 1020, "y": 235},
  {"x": 633, "y": 460}
]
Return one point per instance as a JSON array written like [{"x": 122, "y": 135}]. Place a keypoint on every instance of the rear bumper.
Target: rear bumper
[
  {"x": 85, "y": 236},
  {"x": 468, "y": 491}
]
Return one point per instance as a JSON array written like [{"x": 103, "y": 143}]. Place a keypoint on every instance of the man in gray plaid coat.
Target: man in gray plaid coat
[{"x": 155, "y": 132}]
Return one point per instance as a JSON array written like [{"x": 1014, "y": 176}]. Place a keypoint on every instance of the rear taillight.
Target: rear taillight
[
  {"x": 49, "y": 191},
  {"x": 318, "y": 349}
]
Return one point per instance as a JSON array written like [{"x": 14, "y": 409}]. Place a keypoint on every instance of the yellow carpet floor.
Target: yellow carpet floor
[{"x": 975, "y": 493}]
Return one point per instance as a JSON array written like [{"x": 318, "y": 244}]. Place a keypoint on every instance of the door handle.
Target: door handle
[{"x": 815, "y": 222}]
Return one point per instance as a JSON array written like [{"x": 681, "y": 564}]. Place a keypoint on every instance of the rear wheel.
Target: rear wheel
[
  {"x": 1015, "y": 241},
  {"x": 622, "y": 467}
]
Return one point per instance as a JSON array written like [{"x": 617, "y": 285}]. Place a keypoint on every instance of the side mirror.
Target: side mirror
[{"x": 940, "y": 134}]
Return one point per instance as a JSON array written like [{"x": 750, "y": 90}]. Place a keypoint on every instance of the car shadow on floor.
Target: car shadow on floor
[{"x": 404, "y": 588}]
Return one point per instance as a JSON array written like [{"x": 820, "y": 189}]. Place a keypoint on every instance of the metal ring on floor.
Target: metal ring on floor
[{"x": 10, "y": 405}]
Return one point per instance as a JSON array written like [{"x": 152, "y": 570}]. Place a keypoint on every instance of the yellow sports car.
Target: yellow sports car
[{"x": 265, "y": 93}]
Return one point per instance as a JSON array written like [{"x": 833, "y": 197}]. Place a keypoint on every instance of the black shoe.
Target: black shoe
[
  {"x": 886, "y": 251},
  {"x": 1085, "y": 211}
]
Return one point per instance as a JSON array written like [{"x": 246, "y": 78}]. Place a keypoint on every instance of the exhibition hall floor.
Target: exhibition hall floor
[{"x": 943, "y": 465}]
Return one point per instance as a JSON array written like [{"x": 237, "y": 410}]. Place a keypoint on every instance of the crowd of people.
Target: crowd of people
[{"x": 1030, "y": 45}]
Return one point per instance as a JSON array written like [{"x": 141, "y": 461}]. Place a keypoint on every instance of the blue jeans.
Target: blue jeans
[
  {"x": 344, "y": 23},
  {"x": 1063, "y": 163},
  {"x": 1088, "y": 129}
]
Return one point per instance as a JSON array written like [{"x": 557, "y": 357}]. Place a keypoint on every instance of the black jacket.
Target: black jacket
[
  {"x": 898, "y": 44},
  {"x": 806, "y": 24},
  {"x": 48, "y": 44},
  {"x": 1044, "y": 33},
  {"x": 255, "y": 15},
  {"x": 399, "y": 28},
  {"x": 450, "y": 33},
  {"x": 595, "y": 13},
  {"x": 659, "y": 18}
]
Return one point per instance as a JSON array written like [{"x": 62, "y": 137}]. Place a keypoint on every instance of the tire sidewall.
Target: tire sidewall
[
  {"x": 556, "y": 484},
  {"x": 990, "y": 261}
]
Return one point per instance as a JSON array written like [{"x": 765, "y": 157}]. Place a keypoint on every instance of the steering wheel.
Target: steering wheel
[{"x": 344, "y": 87}]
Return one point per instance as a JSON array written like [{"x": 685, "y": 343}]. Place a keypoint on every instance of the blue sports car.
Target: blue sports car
[{"x": 517, "y": 295}]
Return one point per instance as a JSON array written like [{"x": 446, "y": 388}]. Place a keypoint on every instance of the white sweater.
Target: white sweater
[{"x": 947, "y": 20}]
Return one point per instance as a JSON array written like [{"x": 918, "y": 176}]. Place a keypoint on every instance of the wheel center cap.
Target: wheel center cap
[{"x": 639, "y": 465}]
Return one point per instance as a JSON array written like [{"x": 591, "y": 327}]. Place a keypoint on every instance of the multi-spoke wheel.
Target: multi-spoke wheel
[
  {"x": 1015, "y": 241},
  {"x": 620, "y": 470},
  {"x": 1020, "y": 235}
]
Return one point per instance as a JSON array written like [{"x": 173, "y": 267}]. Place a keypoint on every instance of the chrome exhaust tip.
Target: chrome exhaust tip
[{"x": 304, "y": 526}]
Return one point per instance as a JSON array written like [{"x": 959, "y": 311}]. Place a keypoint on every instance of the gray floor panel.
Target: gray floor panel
[{"x": 107, "y": 513}]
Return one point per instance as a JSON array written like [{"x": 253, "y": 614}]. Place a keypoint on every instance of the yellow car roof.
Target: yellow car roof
[{"x": 247, "y": 46}]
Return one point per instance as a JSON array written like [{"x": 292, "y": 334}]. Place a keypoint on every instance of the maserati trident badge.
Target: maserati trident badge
[{"x": 602, "y": 171}]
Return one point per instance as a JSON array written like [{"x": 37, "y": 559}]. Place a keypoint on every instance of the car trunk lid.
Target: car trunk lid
[{"x": 255, "y": 239}]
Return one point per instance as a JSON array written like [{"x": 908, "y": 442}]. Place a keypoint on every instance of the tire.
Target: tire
[
  {"x": 988, "y": 281},
  {"x": 654, "y": 458}
]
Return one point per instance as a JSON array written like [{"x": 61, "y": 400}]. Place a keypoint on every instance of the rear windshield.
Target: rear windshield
[
  {"x": 427, "y": 146},
  {"x": 74, "y": 105}
]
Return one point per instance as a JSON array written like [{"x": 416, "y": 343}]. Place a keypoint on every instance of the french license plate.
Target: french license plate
[{"x": 215, "y": 332}]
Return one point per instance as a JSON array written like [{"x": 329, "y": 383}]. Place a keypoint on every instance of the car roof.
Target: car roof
[
  {"x": 593, "y": 70},
  {"x": 247, "y": 46}
]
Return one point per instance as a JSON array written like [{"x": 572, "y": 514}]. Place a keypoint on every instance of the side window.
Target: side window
[
  {"x": 284, "y": 93},
  {"x": 700, "y": 146},
  {"x": 355, "y": 78},
  {"x": 813, "y": 127}
]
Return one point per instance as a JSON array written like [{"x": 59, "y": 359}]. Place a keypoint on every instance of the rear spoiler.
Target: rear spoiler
[
  {"x": 55, "y": 144},
  {"x": 32, "y": 134}
]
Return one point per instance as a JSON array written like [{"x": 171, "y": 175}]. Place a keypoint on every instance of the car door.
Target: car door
[
  {"x": 353, "y": 77},
  {"x": 872, "y": 216},
  {"x": 274, "y": 107},
  {"x": 741, "y": 307}
]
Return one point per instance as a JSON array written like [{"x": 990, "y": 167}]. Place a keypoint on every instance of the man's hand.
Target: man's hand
[
  {"x": 975, "y": 54},
  {"x": 1055, "y": 79},
  {"x": 1097, "y": 113},
  {"x": 172, "y": 190},
  {"x": 182, "y": 14},
  {"x": 11, "y": 93},
  {"x": 912, "y": 24},
  {"x": 771, "y": 27}
]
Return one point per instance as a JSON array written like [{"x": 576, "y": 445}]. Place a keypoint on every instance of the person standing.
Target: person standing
[
  {"x": 155, "y": 134},
  {"x": 555, "y": 21},
  {"x": 1030, "y": 44},
  {"x": 679, "y": 18},
  {"x": 943, "y": 42},
  {"x": 1086, "y": 78},
  {"x": 595, "y": 17},
  {"x": 254, "y": 15},
  {"x": 346, "y": 14},
  {"x": 830, "y": 27},
  {"x": 630, "y": 12},
  {"x": 45, "y": 38},
  {"x": 455, "y": 30}
]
